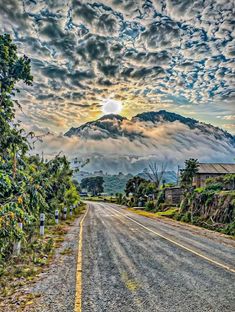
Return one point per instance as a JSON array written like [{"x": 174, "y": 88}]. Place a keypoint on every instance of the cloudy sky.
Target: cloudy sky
[{"x": 176, "y": 55}]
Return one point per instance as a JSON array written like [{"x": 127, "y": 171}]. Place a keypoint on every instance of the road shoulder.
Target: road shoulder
[
  {"x": 222, "y": 238},
  {"x": 53, "y": 289}
]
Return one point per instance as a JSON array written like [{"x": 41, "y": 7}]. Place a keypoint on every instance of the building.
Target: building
[
  {"x": 173, "y": 195},
  {"x": 211, "y": 170}
]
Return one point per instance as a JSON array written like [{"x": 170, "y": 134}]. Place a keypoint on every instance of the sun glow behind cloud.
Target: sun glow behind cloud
[{"x": 110, "y": 106}]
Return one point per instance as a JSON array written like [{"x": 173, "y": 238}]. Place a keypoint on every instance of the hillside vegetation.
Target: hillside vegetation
[{"x": 211, "y": 206}]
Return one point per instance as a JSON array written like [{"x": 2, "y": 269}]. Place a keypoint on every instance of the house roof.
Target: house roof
[{"x": 216, "y": 168}]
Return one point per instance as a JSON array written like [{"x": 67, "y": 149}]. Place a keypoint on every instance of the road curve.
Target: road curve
[{"x": 133, "y": 263}]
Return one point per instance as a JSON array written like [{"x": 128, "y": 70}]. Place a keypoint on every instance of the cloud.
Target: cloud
[
  {"x": 139, "y": 144},
  {"x": 160, "y": 36},
  {"x": 229, "y": 127},
  {"x": 227, "y": 117},
  {"x": 148, "y": 54},
  {"x": 101, "y": 22}
]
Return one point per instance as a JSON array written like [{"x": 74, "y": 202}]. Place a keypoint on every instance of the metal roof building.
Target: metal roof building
[{"x": 216, "y": 168}]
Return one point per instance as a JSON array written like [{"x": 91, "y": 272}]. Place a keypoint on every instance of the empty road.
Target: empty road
[{"x": 132, "y": 263}]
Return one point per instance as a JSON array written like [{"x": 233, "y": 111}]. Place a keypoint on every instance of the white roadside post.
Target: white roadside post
[
  {"x": 42, "y": 226},
  {"x": 65, "y": 213},
  {"x": 71, "y": 210},
  {"x": 57, "y": 216},
  {"x": 17, "y": 245}
]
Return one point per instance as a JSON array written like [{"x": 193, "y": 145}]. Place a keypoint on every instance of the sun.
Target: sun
[{"x": 110, "y": 106}]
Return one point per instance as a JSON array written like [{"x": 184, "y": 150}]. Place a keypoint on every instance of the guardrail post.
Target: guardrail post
[
  {"x": 57, "y": 216},
  {"x": 42, "y": 220},
  {"x": 17, "y": 245}
]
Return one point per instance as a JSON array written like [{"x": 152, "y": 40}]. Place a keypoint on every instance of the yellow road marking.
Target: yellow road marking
[
  {"x": 130, "y": 284},
  {"x": 78, "y": 294},
  {"x": 226, "y": 267}
]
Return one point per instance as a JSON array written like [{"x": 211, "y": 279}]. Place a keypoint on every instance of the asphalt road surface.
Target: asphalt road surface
[{"x": 132, "y": 263}]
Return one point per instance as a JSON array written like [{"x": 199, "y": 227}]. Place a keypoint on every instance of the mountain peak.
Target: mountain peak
[
  {"x": 104, "y": 128},
  {"x": 163, "y": 115},
  {"x": 112, "y": 117}
]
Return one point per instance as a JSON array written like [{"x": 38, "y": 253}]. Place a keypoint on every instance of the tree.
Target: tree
[
  {"x": 190, "y": 170},
  {"x": 156, "y": 173},
  {"x": 93, "y": 185},
  {"x": 12, "y": 70},
  {"x": 133, "y": 185},
  {"x": 28, "y": 184}
]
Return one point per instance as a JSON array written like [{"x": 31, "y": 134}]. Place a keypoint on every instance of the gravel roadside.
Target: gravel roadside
[{"x": 55, "y": 287}]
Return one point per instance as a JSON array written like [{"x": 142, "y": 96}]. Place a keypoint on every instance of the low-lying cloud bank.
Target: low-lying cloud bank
[{"x": 170, "y": 141}]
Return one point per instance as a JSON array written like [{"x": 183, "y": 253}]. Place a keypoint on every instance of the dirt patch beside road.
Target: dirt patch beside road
[{"x": 52, "y": 289}]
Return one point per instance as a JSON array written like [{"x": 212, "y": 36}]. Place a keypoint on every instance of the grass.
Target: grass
[
  {"x": 111, "y": 199},
  {"x": 173, "y": 213},
  {"x": 168, "y": 213},
  {"x": 36, "y": 255},
  {"x": 67, "y": 251},
  {"x": 143, "y": 213}
]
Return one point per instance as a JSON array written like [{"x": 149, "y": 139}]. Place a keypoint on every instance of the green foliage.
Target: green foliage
[
  {"x": 150, "y": 205},
  {"x": 115, "y": 183},
  {"x": 120, "y": 198},
  {"x": 229, "y": 229},
  {"x": 135, "y": 186},
  {"x": 160, "y": 199},
  {"x": 13, "y": 141},
  {"x": 186, "y": 217},
  {"x": 93, "y": 185},
  {"x": 12, "y": 69},
  {"x": 168, "y": 213},
  {"x": 28, "y": 184},
  {"x": 187, "y": 174},
  {"x": 170, "y": 184},
  {"x": 40, "y": 187},
  {"x": 226, "y": 181}
]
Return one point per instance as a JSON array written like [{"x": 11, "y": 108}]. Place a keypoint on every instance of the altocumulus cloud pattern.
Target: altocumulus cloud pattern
[{"x": 171, "y": 54}]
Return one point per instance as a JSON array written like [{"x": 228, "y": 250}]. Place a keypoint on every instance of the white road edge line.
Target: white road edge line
[{"x": 176, "y": 243}]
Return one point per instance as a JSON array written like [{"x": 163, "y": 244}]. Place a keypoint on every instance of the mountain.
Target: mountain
[
  {"x": 112, "y": 126},
  {"x": 115, "y": 143},
  {"x": 164, "y": 116},
  {"x": 108, "y": 125}
]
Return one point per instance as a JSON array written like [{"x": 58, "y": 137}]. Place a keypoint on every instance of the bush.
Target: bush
[
  {"x": 150, "y": 206},
  {"x": 186, "y": 217},
  {"x": 160, "y": 199},
  {"x": 227, "y": 181},
  {"x": 214, "y": 186},
  {"x": 28, "y": 184},
  {"x": 163, "y": 207},
  {"x": 229, "y": 229},
  {"x": 184, "y": 204}
]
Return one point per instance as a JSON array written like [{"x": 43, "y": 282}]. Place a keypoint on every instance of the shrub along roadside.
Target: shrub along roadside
[
  {"x": 39, "y": 187},
  {"x": 36, "y": 256},
  {"x": 29, "y": 185},
  {"x": 228, "y": 229}
]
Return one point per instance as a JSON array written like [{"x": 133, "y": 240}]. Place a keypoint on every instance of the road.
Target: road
[{"x": 133, "y": 263}]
